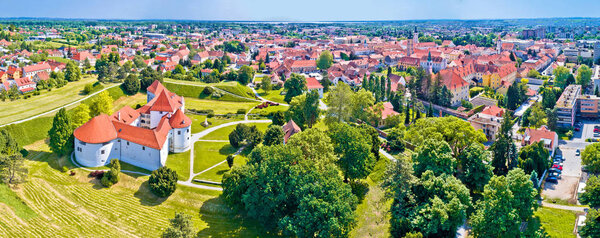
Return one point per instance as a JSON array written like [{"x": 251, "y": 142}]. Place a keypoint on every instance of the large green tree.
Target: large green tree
[
  {"x": 102, "y": 103},
  {"x": 534, "y": 157},
  {"x": 325, "y": 60},
  {"x": 12, "y": 169},
  {"x": 302, "y": 200},
  {"x": 584, "y": 75},
  {"x": 524, "y": 193},
  {"x": 592, "y": 224},
  {"x": 61, "y": 133},
  {"x": 456, "y": 132},
  {"x": 590, "y": 157},
  {"x": 72, "y": 72},
  {"x": 474, "y": 168},
  {"x": 131, "y": 84},
  {"x": 304, "y": 109},
  {"x": 561, "y": 74},
  {"x": 496, "y": 215},
  {"x": 181, "y": 227},
  {"x": 294, "y": 86},
  {"x": 80, "y": 115},
  {"x": 435, "y": 156},
  {"x": 354, "y": 149},
  {"x": 163, "y": 181},
  {"x": 245, "y": 75},
  {"x": 273, "y": 135},
  {"x": 339, "y": 109},
  {"x": 591, "y": 196},
  {"x": 315, "y": 145}
]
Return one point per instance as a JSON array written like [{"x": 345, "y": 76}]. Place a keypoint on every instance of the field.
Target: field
[
  {"x": 272, "y": 95},
  {"x": 557, "y": 223},
  {"x": 24, "y": 108},
  {"x": 215, "y": 121},
  {"x": 207, "y": 154},
  {"x": 223, "y": 133},
  {"x": 180, "y": 162},
  {"x": 195, "y": 90},
  {"x": 218, "y": 107},
  {"x": 64, "y": 205}
]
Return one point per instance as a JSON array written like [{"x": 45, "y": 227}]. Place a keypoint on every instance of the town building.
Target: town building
[
  {"x": 548, "y": 137},
  {"x": 489, "y": 121},
  {"x": 142, "y": 137},
  {"x": 566, "y": 108}
]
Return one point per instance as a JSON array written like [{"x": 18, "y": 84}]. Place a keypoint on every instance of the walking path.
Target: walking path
[
  {"x": 58, "y": 108},
  {"x": 564, "y": 207}
]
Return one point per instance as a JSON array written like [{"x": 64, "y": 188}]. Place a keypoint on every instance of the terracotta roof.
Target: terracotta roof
[
  {"x": 142, "y": 136},
  {"x": 179, "y": 120},
  {"x": 388, "y": 110},
  {"x": 493, "y": 111},
  {"x": 162, "y": 103},
  {"x": 452, "y": 80},
  {"x": 290, "y": 129},
  {"x": 126, "y": 115},
  {"x": 312, "y": 83},
  {"x": 536, "y": 135},
  {"x": 36, "y": 67},
  {"x": 97, "y": 130}
]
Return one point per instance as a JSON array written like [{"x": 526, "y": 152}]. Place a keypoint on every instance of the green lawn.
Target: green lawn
[
  {"x": 215, "y": 121},
  {"x": 272, "y": 95},
  {"x": 78, "y": 205},
  {"x": 207, "y": 154},
  {"x": 180, "y": 162},
  {"x": 223, "y": 133},
  {"x": 219, "y": 107},
  {"x": 270, "y": 109},
  {"x": 194, "y": 89},
  {"x": 24, "y": 108},
  {"x": 60, "y": 59},
  {"x": 216, "y": 173},
  {"x": 556, "y": 222}
]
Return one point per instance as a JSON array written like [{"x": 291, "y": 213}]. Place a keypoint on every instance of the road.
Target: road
[{"x": 58, "y": 108}]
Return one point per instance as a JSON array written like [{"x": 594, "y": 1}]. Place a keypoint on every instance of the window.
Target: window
[
  {"x": 82, "y": 143},
  {"x": 127, "y": 142},
  {"x": 188, "y": 130},
  {"x": 102, "y": 152},
  {"x": 179, "y": 133},
  {"x": 143, "y": 147}
]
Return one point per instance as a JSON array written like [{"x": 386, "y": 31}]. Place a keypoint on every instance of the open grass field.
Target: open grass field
[
  {"x": 194, "y": 89},
  {"x": 79, "y": 206},
  {"x": 270, "y": 109},
  {"x": 131, "y": 101},
  {"x": 272, "y": 95},
  {"x": 60, "y": 59},
  {"x": 207, "y": 154},
  {"x": 46, "y": 101},
  {"x": 180, "y": 162},
  {"x": 557, "y": 223},
  {"x": 223, "y": 133},
  {"x": 215, "y": 121},
  {"x": 219, "y": 107}
]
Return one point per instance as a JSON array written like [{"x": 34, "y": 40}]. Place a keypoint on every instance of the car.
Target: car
[
  {"x": 554, "y": 174},
  {"x": 577, "y": 152},
  {"x": 551, "y": 179},
  {"x": 555, "y": 170},
  {"x": 559, "y": 158},
  {"x": 557, "y": 166},
  {"x": 596, "y": 134},
  {"x": 558, "y": 163},
  {"x": 596, "y": 130},
  {"x": 577, "y": 129}
]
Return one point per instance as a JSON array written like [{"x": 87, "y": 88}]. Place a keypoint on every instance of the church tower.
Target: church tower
[
  {"x": 498, "y": 45},
  {"x": 415, "y": 36}
]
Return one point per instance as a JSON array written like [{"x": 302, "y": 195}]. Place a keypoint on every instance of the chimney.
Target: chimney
[{"x": 119, "y": 116}]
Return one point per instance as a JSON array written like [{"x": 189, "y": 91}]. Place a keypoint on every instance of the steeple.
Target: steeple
[
  {"x": 429, "y": 56},
  {"x": 415, "y": 36},
  {"x": 498, "y": 45}
]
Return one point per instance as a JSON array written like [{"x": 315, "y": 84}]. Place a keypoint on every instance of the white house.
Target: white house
[{"x": 142, "y": 137}]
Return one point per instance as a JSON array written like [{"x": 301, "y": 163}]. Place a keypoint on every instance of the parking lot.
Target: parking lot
[{"x": 566, "y": 188}]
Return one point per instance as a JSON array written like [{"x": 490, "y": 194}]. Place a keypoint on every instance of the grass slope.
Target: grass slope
[
  {"x": 219, "y": 107},
  {"x": 80, "y": 206},
  {"x": 24, "y": 108},
  {"x": 223, "y": 133},
  {"x": 557, "y": 223}
]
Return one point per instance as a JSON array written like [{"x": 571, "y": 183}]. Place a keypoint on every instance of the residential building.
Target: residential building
[
  {"x": 312, "y": 84},
  {"x": 489, "y": 121},
  {"x": 566, "y": 106},
  {"x": 548, "y": 137}
]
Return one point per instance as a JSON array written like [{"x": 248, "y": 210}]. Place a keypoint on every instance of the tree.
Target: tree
[
  {"x": 361, "y": 103},
  {"x": 315, "y": 145},
  {"x": 354, "y": 149},
  {"x": 304, "y": 109},
  {"x": 561, "y": 74},
  {"x": 524, "y": 194},
  {"x": 552, "y": 118},
  {"x": 434, "y": 155},
  {"x": 111, "y": 176},
  {"x": 496, "y": 216},
  {"x": 229, "y": 160},
  {"x": 12, "y": 168},
  {"x": 278, "y": 118},
  {"x": 181, "y": 227},
  {"x": 61, "y": 133},
  {"x": 502, "y": 149},
  {"x": 584, "y": 75},
  {"x": 273, "y": 135},
  {"x": 265, "y": 84},
  {"x": 591, "y": 196},
  {"x": 163, "y": 181},
  {"x": 245, "y": 74},
  {"x": 294, "y": 86},
  {"x": 72, "y": 72},
  {"x": 537, "y": 116},
  {"x": 590, "y": 157},
  {"x": 80, "y": 115},
  {"x": 338, "y": 107},
  {"x": 592, "y": 224},
  {"x": 131, "y": 84},
  {"x": 8, "y": 144},
  {"x": 534, "y": 157},
  {"x": 549, "y": 98},
  {"x": 148, "y": 76},
  {"x": 102, "y": 103},
  {"x": 532, "y": 73},
  {"x": 244, "y": 135},
  {"x": 474, "y": 169},
  {"x": 325, "y": 60},
  {"x": 303, "y": 201}
]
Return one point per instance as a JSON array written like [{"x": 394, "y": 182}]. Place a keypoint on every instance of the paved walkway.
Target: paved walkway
[
  {"x": 564, "y": 207},
  {"x": 58, "y": 108}
]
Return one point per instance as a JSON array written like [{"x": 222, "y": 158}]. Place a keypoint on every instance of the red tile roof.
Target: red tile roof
[
  {"x": 290, "y": 129},
  {"x": 162, "y": 103},
  {"x": 126, "y": 115},
  {"x": 179, "y": 120},
  {"x": 97, "y": 130},
  {"x": 312, "y": 83},
  {"x": 493, "y": 111}
]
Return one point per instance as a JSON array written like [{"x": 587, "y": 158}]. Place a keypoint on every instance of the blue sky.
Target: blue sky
[{"x": 300, "y": 10}]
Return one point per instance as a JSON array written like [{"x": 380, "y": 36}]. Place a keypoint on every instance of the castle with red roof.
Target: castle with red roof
[{"x": 142, "y": 137}]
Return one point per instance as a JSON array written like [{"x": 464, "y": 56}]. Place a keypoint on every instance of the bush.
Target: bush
[
  {"x": 208, "y": 90},
  {"x": 64, "y": 169},
  {"x": 241, "y": 111},
  {"x": 106, "y": 180},
  {"x": 87, "y": 89},
  {"x": 163, "y": 181},
  {"x": 97, "y": 174},
  {"x": 359, "y": 189},
  {"x": 230, "y": 160}
]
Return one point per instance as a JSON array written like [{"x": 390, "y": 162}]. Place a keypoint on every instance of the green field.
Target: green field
[
  {"x": 79, "y": 206},
  {"x": 272, "y": 95},
  {"x": 24, "y": 108},
  {"x": 207, "y": 154},
  {"x": 60, "y": 59},
  {"x": 180, "y": 162},
  {"x": 218, "y": 107},
  {"x": 214, "y": 121},
  {"x": 194, "y": 89},
  {"x": 557, "y": 223},
  {"x": 223, "y": 133}
]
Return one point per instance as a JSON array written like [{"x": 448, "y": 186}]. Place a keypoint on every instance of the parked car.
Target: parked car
[
  {"x": 557, "y": 163},
  {"x": 597, "y": 134},
  {"x": 554, "y": 170},
  {"x": 577, "y": 152},
  {"x": 596, "y": 130},
  {"x": 551, "y": 179},
  {"x": 554, "y": 174},
  {"x": 557, "y": 166},
  {"x": 559, "y": 158},
  {"x": 577, "y": 129}
]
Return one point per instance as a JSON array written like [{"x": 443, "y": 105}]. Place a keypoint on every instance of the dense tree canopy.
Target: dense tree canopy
[
  {"x": 163, "y": 181},
  {"x": 474, "y": 169},
  {"x": 102, "y": 103},
  {"x": 325, "y": 60},
  {"x": 434, "y": 156},
  {"x": 584, "y": 75},
  {"x": 353, "y": 147},
  {"x": 590, "y": 157},
  {"x": 61, "y": 133},
  {"x": 304, "y": 109},
  {"x": 591, "y": 196},
  {"x": 294, "y": 86},
  {"x": 273, "y": 135}
]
